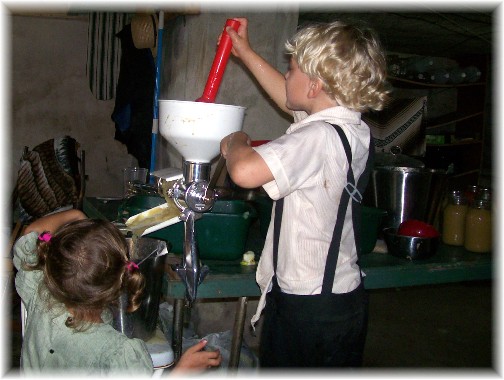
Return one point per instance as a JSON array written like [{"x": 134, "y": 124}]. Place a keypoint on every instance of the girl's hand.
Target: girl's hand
[
  {"x": 194, "y": 359},
  {"x": 53, "y": 221}
]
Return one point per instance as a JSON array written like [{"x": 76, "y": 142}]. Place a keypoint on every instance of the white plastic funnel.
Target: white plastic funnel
[{"x": 196, "y": 129}]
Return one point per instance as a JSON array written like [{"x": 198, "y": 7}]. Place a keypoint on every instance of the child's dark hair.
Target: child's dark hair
[{"x": 85, "y": 268}]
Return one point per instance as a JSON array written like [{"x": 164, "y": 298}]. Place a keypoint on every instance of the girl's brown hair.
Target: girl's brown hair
[{"x": 85, "y": 268}]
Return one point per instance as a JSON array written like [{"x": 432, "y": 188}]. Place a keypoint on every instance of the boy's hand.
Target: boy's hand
[
  {"x": 233, "y": 140},
  {"x": 239, "y": 38}
]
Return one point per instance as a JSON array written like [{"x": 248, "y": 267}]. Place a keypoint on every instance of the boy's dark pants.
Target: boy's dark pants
[{"x": 314, "y": 331}]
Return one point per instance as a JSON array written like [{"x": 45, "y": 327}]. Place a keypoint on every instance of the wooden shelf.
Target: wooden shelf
[
  {"x": 463, "y": 174},
  {"x": 457, "y": 143},
  {"x": 412, "y": 83},
  {"x": 450, "y": 118},
  {"x": 460, "y": 121}
]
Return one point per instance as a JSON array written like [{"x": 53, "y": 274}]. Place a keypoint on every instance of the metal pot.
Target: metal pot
[
  {"x": 150, "y": 255},
  {"x": 410, "y": 247},
  {"x": 406, "y": 192}
]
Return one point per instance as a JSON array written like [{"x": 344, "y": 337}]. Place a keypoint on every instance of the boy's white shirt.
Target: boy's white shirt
[{"x": 312, "y": 189}]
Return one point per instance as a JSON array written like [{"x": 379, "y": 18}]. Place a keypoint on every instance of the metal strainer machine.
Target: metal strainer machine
[{"x": 195, "y": 130}]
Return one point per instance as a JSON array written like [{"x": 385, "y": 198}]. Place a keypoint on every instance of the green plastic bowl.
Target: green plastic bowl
[
  {"x": 263, "y": 205},
  {"x": 371, "y": 225},
  {"x": 371, "y": 222},
  {"x": 221, "y": 234}
]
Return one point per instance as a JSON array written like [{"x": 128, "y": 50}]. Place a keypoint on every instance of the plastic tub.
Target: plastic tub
[
  {"x": 221, "y": 234},
  {"x": 371, "y": 222},
  {"x": 263, "y": 205},
  {"x": 371, "y": 225}
]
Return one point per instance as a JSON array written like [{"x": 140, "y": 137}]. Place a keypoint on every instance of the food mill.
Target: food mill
[{"x": 195, "y": 130}]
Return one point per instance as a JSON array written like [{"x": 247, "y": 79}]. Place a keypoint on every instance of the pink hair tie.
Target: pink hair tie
[
  {"x": 45, "y": 236},
  {"x": 130, "y": 265}
]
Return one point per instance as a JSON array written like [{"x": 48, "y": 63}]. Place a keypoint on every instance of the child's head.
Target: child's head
[
  {"x": 85, "y": 268},
  {"x": 349, "y": 60}
]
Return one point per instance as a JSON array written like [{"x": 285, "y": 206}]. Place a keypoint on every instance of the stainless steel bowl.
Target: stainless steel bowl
[{"x": 409, "y": 247}]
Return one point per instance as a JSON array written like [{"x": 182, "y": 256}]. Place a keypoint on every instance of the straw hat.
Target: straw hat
[{"x": 144, "y": 30}]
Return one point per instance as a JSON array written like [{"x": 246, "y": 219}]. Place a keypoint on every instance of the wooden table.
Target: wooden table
[{"x": 229, "y": 279}]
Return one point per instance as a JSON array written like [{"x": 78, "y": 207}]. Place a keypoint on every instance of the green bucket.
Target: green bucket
[
  {"x": 371, "y": 225},
  {"x": 221, "y": 234}
]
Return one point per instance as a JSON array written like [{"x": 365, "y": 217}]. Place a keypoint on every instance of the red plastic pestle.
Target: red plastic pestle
[{"x": 219, "y": 64}]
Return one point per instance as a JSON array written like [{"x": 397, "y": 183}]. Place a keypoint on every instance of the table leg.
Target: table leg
[
  {"x": 236, "y": 343},
  {"x": 178, "y": 327}
]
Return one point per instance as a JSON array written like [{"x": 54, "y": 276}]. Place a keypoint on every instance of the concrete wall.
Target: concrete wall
[
  {"x": 50, "y": 98},
  {"x": 50, "y": 94},
  {"x": 189, "y": 48}
]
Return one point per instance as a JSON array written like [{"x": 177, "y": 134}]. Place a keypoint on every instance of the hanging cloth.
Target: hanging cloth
[
  {"x": 133, "y": 111},
  {"x": 104, "y": 53}
]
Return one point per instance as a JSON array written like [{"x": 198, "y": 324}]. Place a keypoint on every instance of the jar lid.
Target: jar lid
[
  {"x": 481, "y": 204},
  {"x": 484, "y": 193},
  {"x": 457, "y": 197},
  {"x": 395, "y": 158}
]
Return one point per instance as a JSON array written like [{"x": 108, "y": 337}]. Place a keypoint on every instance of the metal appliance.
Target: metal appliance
[{"x": 195, "y": 129}]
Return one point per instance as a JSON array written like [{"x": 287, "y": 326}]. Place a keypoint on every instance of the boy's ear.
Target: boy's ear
[{"x": 315, "y": 88}]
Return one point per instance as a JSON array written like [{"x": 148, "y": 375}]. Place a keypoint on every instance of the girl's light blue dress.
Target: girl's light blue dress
[{"x": 51, "y": 347}]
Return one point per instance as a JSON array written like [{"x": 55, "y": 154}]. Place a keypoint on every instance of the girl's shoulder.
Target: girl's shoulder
[
  {"x": 120, "y": 353},
  {"x": 24, "y": 250}
]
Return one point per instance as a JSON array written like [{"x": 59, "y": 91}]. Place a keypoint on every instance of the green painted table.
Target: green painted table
[
  {"x": 229, "y": 279},
  {"x": 450, "y": 264}
]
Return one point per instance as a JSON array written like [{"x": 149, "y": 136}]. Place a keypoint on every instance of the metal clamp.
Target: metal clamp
[{"x": 354, "y": 193}]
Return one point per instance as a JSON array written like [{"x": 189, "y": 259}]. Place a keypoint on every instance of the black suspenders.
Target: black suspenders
[
  {"x": 351, "y": 191},
  {"x": 276, "y": 230}
]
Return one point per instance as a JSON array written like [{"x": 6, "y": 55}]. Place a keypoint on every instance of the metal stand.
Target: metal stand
[
  {"x": 190, "y": 270},
  {"x": 236, "y": 343},
  {"x": 198, "y": 198},
  {"x": 178, "y": 327},
  {"x": 239, "y": 324}
]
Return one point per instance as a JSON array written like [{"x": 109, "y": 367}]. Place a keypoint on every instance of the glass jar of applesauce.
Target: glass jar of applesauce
[
  {"x": 454, "y": 218},
  {"x": 478, "y": 227},
  {"x": 470, "y": 193},
  {"x": 484, "y": 193}
]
